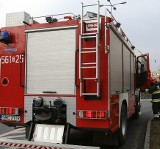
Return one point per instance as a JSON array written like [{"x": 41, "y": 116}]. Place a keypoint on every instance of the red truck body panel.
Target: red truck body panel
[{"x": 12, "y": 61}]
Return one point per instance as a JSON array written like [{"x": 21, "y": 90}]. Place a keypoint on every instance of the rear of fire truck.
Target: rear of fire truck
[{"x": 77, "y": 74}]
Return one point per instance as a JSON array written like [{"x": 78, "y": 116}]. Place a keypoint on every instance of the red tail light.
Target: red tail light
[
  {"x": 2, "y": 110},
  {"x": 9, "y": 111},
  {"x": 89, "y": 114}
]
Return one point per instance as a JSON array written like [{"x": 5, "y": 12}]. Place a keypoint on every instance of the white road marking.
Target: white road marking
[
  {"x": 17, "y": 133},
  {"x": 13, "y": 137}
]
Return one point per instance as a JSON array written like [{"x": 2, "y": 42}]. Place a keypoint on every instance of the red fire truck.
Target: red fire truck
[{"x": 72, "y": 73}]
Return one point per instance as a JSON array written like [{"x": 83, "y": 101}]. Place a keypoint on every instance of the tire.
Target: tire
[{"x": 123, "y": 125}]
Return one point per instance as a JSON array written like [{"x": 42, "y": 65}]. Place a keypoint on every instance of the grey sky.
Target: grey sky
[{"x": 139, "y": 18}]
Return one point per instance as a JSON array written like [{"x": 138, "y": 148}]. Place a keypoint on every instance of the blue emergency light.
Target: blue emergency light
[{"x": 5, "y": 37}]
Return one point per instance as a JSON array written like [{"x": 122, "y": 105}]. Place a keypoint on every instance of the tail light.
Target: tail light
[
  {"x": 89, "y": 114},
  {"x": 9, "y": 111}
]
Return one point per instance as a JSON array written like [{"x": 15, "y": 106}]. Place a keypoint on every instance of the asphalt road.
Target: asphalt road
[
  {"x": 136, "y": 130},
  {"x": 4, "y": 128}
]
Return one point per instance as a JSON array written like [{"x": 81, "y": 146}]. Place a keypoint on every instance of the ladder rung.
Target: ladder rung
[
  {"x": 90, "y": 19},
  {"x": 89, "y": 78},
  {"x": 89, "y": 5},
  {"x": 92, "y": 63},
  {"x": 84, "y": 34},
  {"x": 89, "y": 48},
  {"x": 89, "y": 93},
  {"x": 88, "y": 67},
  {"x": 88, "y": 37},
  {"x": 84, "y": 52}
]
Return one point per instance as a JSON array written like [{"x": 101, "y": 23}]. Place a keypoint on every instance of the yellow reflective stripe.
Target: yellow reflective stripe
[
  {"x": 155, "y": 100},
  {"x": 156, "y": 92}
]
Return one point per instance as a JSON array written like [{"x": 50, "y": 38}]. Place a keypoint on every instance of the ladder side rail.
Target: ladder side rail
[
  {"x": 80, "y": 50},
  {"x": 105, "y": 35},
  {"x": 97, "y": 63},
  {"x": 97, "y": 49},
  {"x": 107, "y": 48},
  {"x": 98, "y": 17},
  {"x": 97, "y": 56},
  {"x": 82, "y": 18},
  {"x": 80, "y": 56},
  {"x": 80, "y": 64}
]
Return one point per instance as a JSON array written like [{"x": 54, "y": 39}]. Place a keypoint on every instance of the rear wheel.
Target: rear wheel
[{"x": 123, "y": 125}]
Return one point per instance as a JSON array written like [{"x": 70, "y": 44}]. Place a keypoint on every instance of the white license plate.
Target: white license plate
[{"x": 11, "y": 118}]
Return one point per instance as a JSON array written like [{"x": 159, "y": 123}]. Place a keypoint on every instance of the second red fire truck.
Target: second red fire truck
[{"x": 75, "y": 73}]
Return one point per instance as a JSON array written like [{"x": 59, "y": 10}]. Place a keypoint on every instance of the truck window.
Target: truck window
[
  {"x": 142, "y": 64},
  {"x": 142, "y": 71}
]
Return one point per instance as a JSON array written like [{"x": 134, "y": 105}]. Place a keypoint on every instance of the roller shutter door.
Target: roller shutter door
[{"x": 51, "y": 61}]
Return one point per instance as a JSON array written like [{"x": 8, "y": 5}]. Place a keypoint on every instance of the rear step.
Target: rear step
[{"x": 45, "y": 136}]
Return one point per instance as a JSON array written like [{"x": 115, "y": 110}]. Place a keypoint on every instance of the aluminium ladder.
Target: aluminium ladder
[{"x": 84, "y": 51}]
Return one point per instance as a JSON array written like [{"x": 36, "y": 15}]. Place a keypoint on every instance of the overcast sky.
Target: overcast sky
[{"x": 140, "y": 19}]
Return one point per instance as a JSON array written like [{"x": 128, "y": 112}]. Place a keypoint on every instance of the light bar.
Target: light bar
[
  {"x": 9, "y": 111},
  {"x": 89, "y": 114}
]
